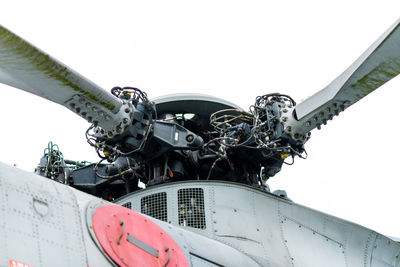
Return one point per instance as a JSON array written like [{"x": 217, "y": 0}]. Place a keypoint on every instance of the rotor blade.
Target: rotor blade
[
  {"x": 26, "y": 67},
  {"x": 379, "y": 64}
]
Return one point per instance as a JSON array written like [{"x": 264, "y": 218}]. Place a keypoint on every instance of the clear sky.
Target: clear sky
[{"x": 235, "y": 50}]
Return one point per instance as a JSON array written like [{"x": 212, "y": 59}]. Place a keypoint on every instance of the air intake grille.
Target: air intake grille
[
  {"x": 191, "y": 208},
  {"x": 127, "y": 205},
  {"x": 155, "y": 206}
]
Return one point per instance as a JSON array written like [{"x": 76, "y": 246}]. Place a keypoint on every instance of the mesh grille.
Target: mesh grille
[
  {"x": 191, "y": 208},
  {"x": 155, "y": 206},
  {"x": 127, "y": 205}
]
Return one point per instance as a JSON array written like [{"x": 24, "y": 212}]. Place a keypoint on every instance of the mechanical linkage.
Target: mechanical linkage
[{"x": 176, "y": 141}]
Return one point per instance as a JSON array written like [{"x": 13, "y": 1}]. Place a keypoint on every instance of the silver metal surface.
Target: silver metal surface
[
  {"x": 142, "y": 245},
  {"x": 181, "y": 102},
  {"x": 377, "y": 65},
  {"x": 28, "y": 68},
  {"x": 277, "y": 232},
  {"x": 38, "y": 220}
]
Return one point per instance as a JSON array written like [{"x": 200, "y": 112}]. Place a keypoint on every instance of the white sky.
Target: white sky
[{"x": 235, "y": 50}]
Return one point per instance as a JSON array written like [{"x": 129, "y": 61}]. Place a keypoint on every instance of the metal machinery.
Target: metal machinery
[{"x": 205, "y": 163}]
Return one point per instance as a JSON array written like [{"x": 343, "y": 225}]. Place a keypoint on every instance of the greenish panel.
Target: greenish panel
[
  {"x": 18, "y": 48},
  {"x": 384, "y": 72}
]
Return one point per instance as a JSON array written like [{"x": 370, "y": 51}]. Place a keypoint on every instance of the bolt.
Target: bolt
[
  {"x": 125, "y": 120},
  {"x": 127, "y": 110},
  {"x": 284, "y": 110},
  {"x": 189, "y": 138},
  {"x": 308, "y": 123},
  {"x": 284, "y": 119}
]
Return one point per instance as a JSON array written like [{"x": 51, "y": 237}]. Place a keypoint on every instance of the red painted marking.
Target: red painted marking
[
  {"x": 108, "y": 229},
  {"x": 14, "y": 263}
]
